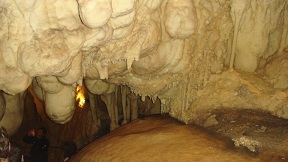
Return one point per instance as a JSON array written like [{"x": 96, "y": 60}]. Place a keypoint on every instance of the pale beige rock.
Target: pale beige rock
[
  {"x": 122, "y": 21},
  {"x": 99, "y": 87},
  {"x": 13, "y": 116},
  {"x": 49, "y": 84},
  {"x": 74, "y": 72},
  {"x": 122, "y": 32},
  {"x": 172, "y": 50},
  {"x": 38, "y": 91},
  {"x": 249, "y": 143},
  {"x": 153, "y": 4},
  {"x": 180, "y": 18},
  {"x": 95, "y": 13},
  {"x": 211, "y": 121},
  {"x": 60, "y": 106},
  {"x": 279, "y": 64},
  {"x": 251, "y": 93},
  {"x": 253, "y": 40},
  {"x": 122, "y": 7},
  {"x": 2, "y": 105}
]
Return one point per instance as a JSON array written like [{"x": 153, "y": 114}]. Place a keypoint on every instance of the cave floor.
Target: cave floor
[
  {"x": 257, "y": 132},
  {"x": 257, "y": 135}
]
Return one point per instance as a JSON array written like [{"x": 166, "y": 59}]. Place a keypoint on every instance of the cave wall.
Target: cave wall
[{"x": 193, "y": 55}]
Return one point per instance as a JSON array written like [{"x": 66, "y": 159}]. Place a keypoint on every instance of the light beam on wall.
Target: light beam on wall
[{"x": 80, "y": 98}]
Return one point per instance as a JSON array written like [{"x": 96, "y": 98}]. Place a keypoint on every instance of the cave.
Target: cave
[{"x": 147, "y": 80}]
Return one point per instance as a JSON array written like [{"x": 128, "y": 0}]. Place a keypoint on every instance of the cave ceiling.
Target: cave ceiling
[{"x": 192, "y": 55}]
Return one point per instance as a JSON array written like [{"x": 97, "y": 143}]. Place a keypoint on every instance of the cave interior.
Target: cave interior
[{"x": 155, "y": 80}]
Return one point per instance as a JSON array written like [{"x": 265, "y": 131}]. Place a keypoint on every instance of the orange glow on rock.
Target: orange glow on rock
[{"x": 80, "y": 98}]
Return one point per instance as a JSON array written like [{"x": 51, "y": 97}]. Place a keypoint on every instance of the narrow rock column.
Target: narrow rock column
[{"x": 238, "y": 8}]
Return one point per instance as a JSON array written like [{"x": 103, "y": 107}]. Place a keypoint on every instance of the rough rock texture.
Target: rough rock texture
[
  {"x": 192, "y": 55},
  {"x": 164, "y": 140},
  {"x": 182, "y": 57}
]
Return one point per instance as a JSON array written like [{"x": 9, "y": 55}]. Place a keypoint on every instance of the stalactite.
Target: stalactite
[
  {"x": 134, "y": 107},
  {"x": 134, "y": 49},
  {"x": 143, "y": 98},
  {"x": 124, "y": 103},
  {"x": 183, "y": 95},
  {"x": 285, "y": 30},
  {"x": 128, "y": 106},
  {"x": 154, "y": 98},
  {"x": 102, "y": 70},
  {"x": 115, "y": 105},
  {"x": 164, "y": 106},
  {"x": 206, "y": 69},
  {"x": 93, "y": 102},
  {"x": 109, "y": 100},
  {"x": 238, "y": 8}
]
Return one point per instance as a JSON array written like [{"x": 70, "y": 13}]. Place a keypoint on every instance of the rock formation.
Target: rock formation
[{"x": 179, "y": 51}]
